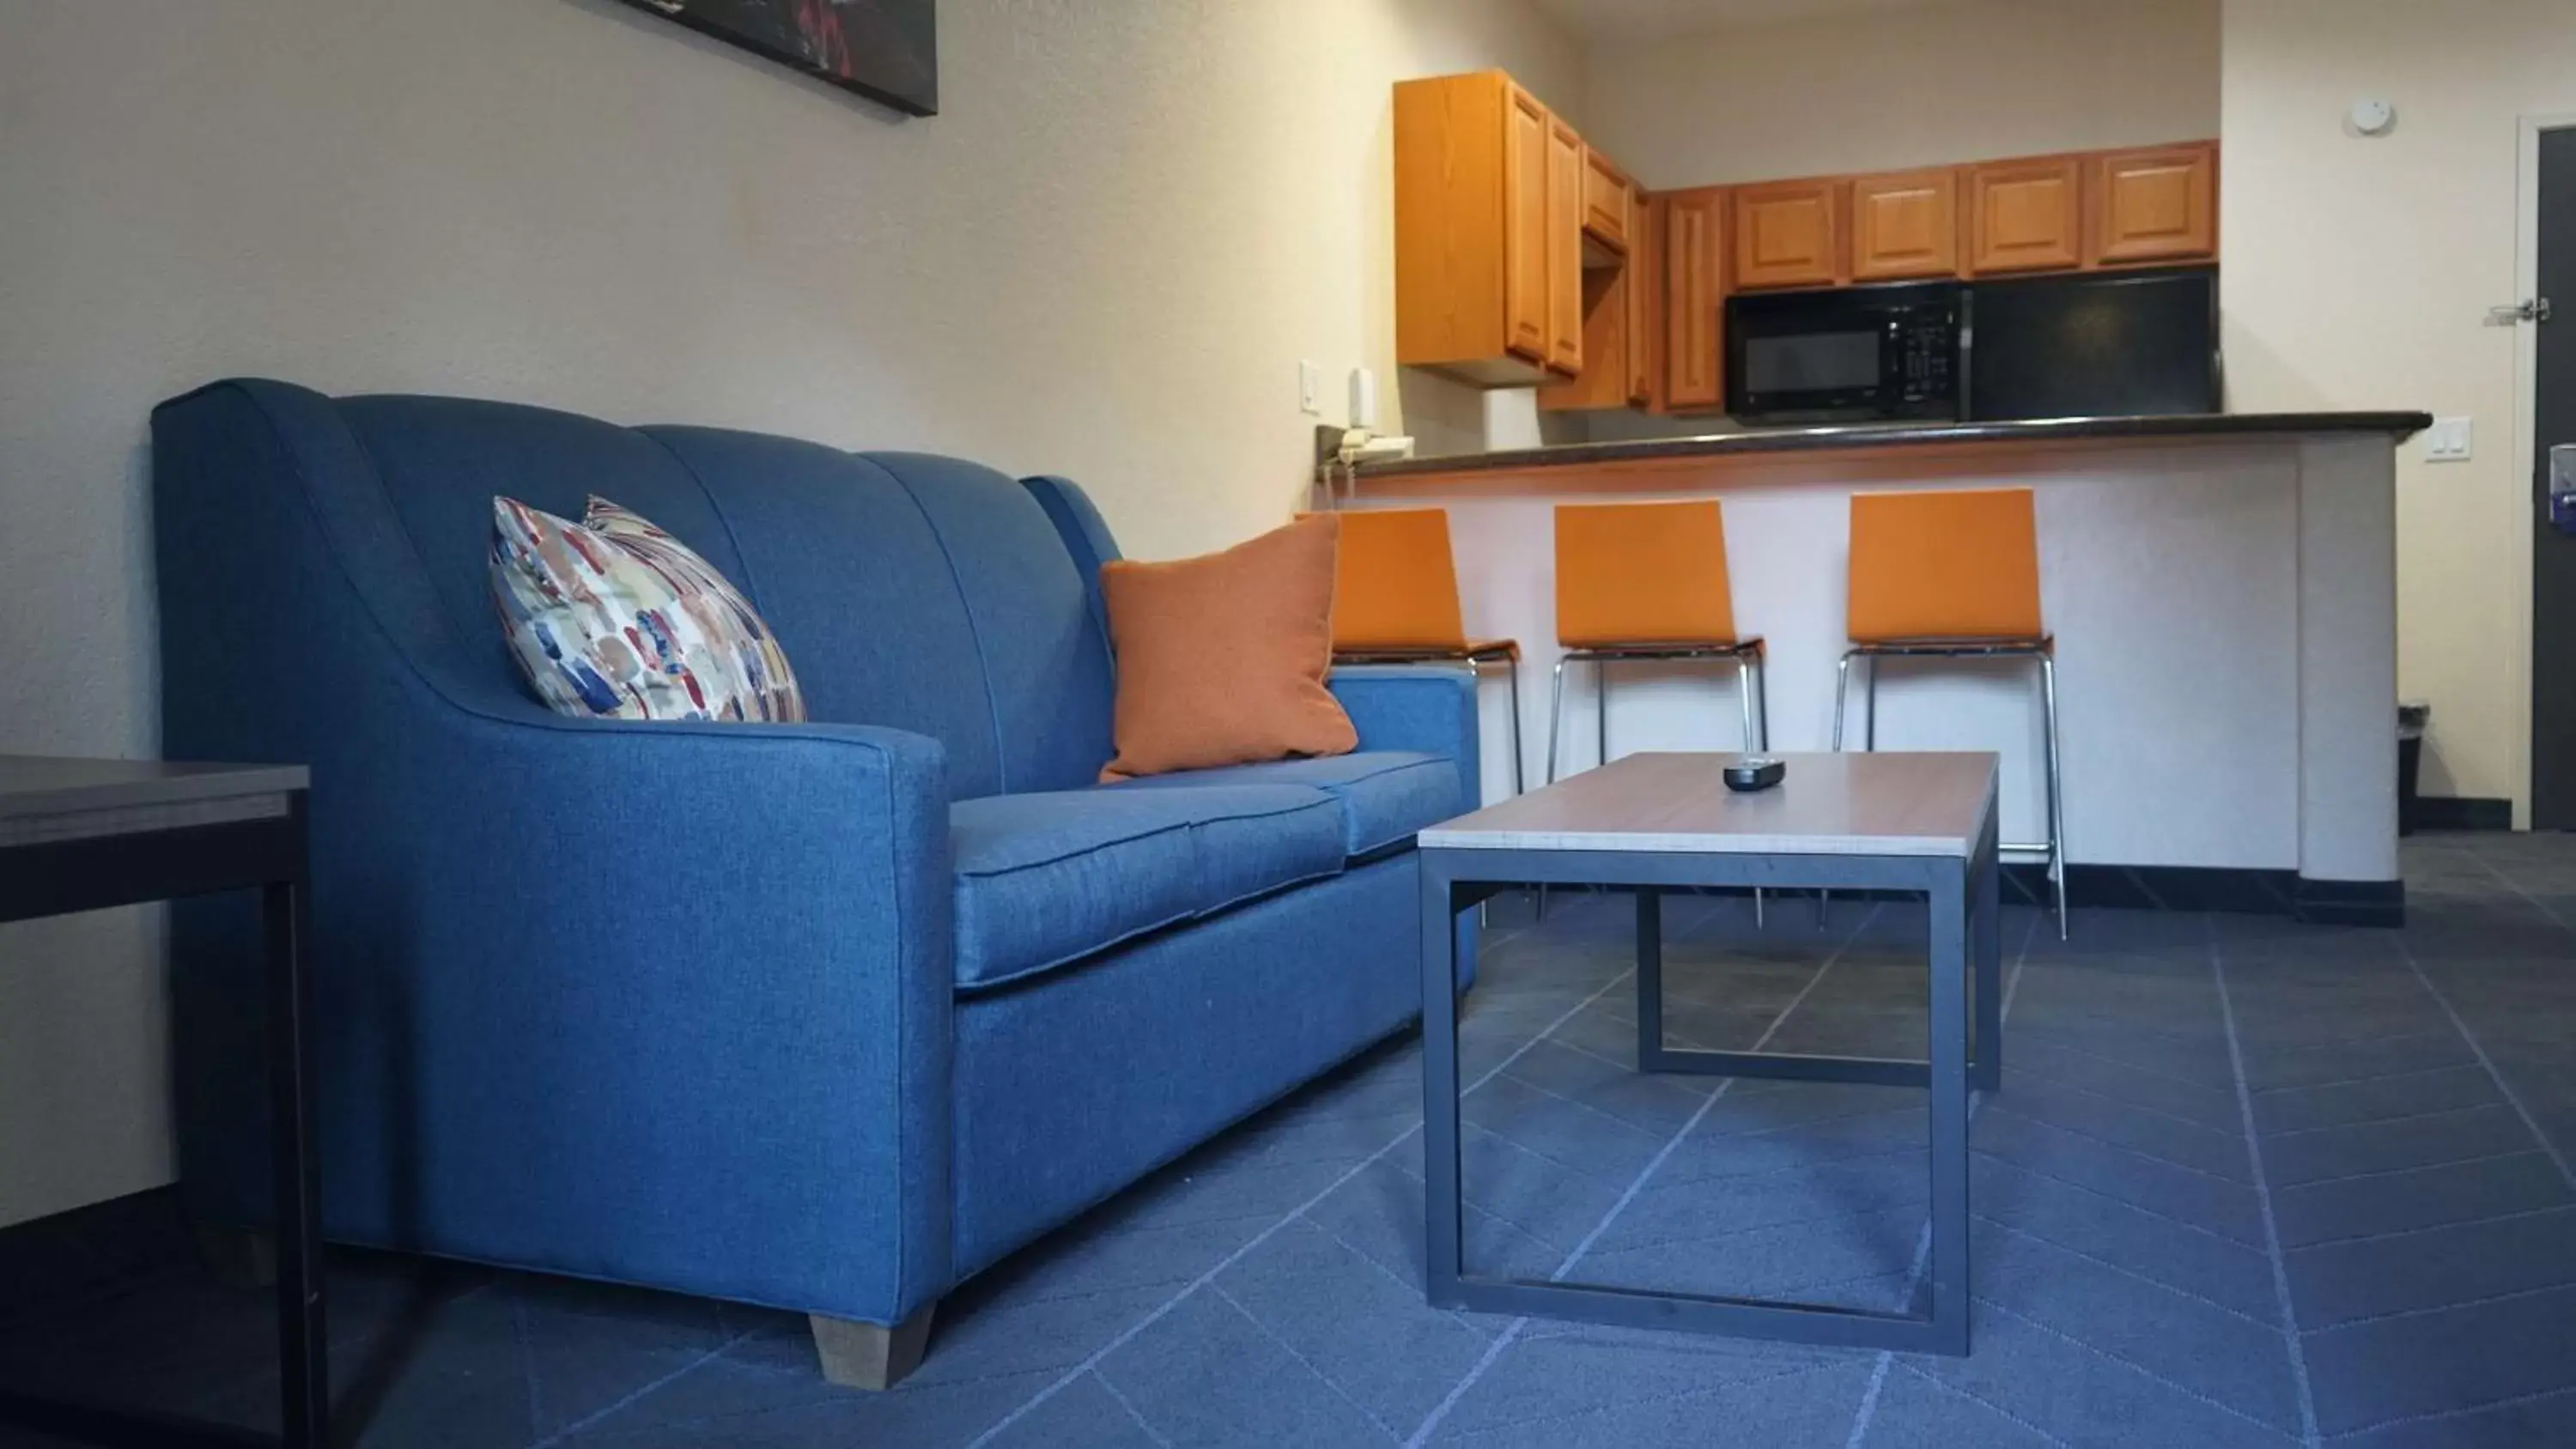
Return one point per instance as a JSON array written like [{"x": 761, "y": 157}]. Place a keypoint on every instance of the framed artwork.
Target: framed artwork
[{"x": 886, "y": 50}]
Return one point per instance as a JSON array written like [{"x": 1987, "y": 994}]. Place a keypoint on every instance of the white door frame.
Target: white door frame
[{"x": 2526, "y": 426}]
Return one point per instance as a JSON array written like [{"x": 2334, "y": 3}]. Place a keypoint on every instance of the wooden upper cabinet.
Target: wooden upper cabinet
[
  {"x": 1789, "y": 234},
  {"x": 1603, "y": 382},
  {"x": 2027, "y": 215},
  {"x": 1526, "y": 238},
  {"x": 1695, "y": 233},
  {"x": 1564, "y": 248},
  {"x": 1645, "y": 296},
  {"x": 2155, "y": 204},
  {"x": 1622, "y": 325},
  {"x": 1607, "y": 195},
  {"x": 1905, "y": 224},
  {"x": 1487, "y": 227}
]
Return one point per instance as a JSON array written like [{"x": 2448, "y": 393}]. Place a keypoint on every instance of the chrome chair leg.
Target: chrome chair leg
[
  {"x": 1869, "y": 702},
  {"x": 1744, "y": 703},
  {"x": 1762, "y": 687},
  {"x": 2056, "y": 791},
  {"x": 1512, "y": 668},
  {"x": 1842, "y": 696},
  {"x": 1601, "y": 706},
  {"x": 1555, "y": 728},
  {"x": 1555, "y": 718},
  {"x": 1842, "y": 693}
]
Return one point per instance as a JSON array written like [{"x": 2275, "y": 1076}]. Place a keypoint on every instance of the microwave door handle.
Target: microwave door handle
[{"x": 1965, "y": 383}]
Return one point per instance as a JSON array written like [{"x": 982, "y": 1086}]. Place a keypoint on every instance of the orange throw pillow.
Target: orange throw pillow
[{"x": 1222, "y": 658}]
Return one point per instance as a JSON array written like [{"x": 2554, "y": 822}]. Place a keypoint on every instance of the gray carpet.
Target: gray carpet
[{"x": 2247, "y": 1183}]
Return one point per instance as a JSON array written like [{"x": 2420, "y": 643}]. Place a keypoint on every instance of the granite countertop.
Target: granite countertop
[{"x": 2396, "y": 425}]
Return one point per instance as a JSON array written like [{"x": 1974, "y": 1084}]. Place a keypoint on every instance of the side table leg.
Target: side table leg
[
  {"x": 305, "y": 1378},
  {"x": 1950, "y": 948},
  {"x": 1441, "y": 1208},
  {"x": 1650, "y": 979}
]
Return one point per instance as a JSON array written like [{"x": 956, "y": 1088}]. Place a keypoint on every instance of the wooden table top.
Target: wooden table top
[{"x": 1828, "y": 804}]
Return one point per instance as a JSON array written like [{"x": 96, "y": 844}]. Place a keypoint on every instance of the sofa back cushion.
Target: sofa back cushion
[
  {"x": 923, "y": 593},
  {"x": 1045, "y": 655},
  {"x": 443, "y": 460}
]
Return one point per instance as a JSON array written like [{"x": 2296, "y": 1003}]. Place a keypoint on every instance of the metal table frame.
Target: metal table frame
[
  {"x": 54, "y": 878},
  {"x": 1966, "y": 928}
]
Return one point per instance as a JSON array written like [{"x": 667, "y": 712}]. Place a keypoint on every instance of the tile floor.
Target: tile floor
[{"x": 2247, "y": 1183}]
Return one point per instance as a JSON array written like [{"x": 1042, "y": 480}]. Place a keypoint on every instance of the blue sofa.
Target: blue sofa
[{"x": 825, "y": 1017}]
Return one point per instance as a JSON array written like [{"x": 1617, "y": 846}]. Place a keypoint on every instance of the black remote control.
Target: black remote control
[{"x": 1756, "y": 772}]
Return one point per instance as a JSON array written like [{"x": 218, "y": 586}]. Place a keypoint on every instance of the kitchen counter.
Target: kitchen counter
[
  {"x": 2394, "y": 425},
  {"x": 2222, "y": 590}
]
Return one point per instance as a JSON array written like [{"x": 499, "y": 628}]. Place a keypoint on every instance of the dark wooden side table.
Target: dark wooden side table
[{"x": 82, "y": 835}]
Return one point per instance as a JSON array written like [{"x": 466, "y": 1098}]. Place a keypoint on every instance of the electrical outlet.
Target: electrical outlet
[
  {"x": 2447, "y": 441},
  {"x": 1310, "y": 389}
]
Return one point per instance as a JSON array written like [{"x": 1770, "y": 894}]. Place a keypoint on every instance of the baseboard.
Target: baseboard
[
  {"x": 2159, "y": 887},
  {"x": 2351, "y": 902},
  {"x": 2460, "y": 812}
]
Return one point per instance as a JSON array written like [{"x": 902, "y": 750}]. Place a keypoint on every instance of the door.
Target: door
[
  {"x": 1694, "y": 291},
  {"x": 1788, "y": 234},
  {"x": 1525, "y": 236},
  {"x": 1905, "y": 224},
  {"x": 1564, "y": 248},
  {"x": 1645, "y": 297},
  {"x": 1603, "y": 382},
  {"x": 2159, "y": 204},
  {"x": 2553, "y": 557},
  {"x": 1605, "y": 206},
  {"x": 2026, "y": 216}
]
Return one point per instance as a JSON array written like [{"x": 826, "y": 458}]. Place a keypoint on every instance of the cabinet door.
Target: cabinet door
[
  {"x": 1564, "y": 248},
  {"x": 1606, "y": 192},
  {"x": 1788, "y": 234},
  {"x": 2156, "y": 205},
  {"x": 1694, "y": 294},
  {"x": 1603, "y": 383},
  {"x": 1905, "y": 224},
  {"x": 2026, "y": 216},
  {"x": 1525, "y": 231},
  {"x": 1645, "y": 277}
]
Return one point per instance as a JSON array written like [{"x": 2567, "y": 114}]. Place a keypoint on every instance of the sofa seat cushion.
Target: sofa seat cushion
[
  {"x": 1048, "y": 878},
  {"x": 1384, "y": 795}
]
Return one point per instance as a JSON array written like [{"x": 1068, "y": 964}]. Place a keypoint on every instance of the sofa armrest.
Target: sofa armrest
[
  {"x": 1429, "y": 708},
  {"x": 729, "y": 969},
  {"x": 662, "y": 1003}
]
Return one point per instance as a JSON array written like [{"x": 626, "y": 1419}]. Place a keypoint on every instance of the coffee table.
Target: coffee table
[{"x": 1915, "y": 823}]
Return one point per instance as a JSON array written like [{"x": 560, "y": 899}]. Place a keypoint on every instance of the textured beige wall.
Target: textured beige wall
[
  {"x": 1105, "y": 259},
  {"x": 2358, "y": 273},
  {"x": 1915, "y": 86}
]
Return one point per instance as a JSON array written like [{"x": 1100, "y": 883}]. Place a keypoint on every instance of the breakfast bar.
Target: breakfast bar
[{"x": 2221, "y": 591}]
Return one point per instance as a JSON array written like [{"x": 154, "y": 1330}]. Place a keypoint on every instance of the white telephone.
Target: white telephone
[{"x": 1357, "y": 446}]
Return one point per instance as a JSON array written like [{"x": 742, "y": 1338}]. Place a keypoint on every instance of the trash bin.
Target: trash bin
[{"x": 2411, "y": 717}]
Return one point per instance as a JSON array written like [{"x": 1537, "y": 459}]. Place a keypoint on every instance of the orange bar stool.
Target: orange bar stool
[
  {"x": 1395, "y": 601},
  {"x": 1647, "y": 581},
  {"x": 1952, "y": 575}
]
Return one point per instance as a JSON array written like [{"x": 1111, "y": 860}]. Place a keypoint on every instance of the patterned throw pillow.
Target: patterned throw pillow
[{"x": 615, "y": 618}]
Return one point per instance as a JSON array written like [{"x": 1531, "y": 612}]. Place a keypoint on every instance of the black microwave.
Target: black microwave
[{"x": 1850, "y": 354}]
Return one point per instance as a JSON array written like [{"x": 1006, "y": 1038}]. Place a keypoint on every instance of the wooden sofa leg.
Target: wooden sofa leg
[
  {"x": 867, "y": 1355},
  {"x": 238, "y": 1257}
]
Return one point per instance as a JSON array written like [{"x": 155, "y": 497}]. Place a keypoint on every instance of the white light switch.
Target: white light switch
[
  {"x": 1310, "y": 389},
  {"x": 2447, "y": 441}
]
